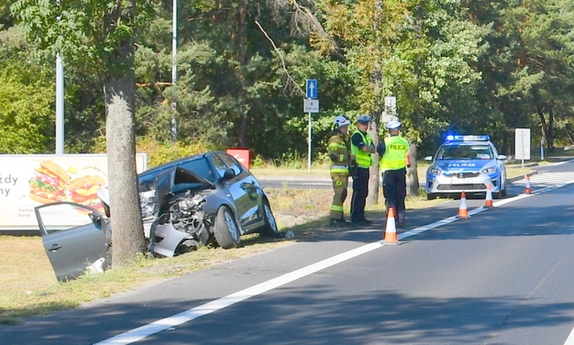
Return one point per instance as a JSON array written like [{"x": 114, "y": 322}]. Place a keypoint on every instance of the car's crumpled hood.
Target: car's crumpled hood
[{"x": 463, "y": 164}]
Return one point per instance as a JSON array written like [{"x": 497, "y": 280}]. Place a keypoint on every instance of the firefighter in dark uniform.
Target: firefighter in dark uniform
[
  {"x": 361, "y": 149},
  {"x": 339, "y": 153},
  {"x": 394, "y": 161}
]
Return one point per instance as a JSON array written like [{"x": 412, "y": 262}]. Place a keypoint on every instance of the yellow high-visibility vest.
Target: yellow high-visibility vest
[
  {"x": 395, "y": 156},
  {"x": 364, "y": 159}
]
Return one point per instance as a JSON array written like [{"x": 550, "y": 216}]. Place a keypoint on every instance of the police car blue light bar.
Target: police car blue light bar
[{"x": 482, "y": 137}]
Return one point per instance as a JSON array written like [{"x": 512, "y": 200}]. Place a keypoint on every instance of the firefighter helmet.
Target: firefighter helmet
[{"x": 341, "y": 121}]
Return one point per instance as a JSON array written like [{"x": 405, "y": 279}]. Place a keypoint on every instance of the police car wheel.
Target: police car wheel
[{"x": 431, "y": 196}]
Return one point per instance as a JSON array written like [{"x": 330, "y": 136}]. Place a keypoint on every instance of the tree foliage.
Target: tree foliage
[{"x": 453, "y": 65}]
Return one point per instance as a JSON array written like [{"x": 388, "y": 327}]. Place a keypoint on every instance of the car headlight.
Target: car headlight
[
  {"x": 148, "y": 203},
  {"x": 488, "y": 171},
  {"x": 435, "y": 170}
]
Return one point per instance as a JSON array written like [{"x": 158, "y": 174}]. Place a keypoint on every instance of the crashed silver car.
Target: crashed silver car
[{"x": 197, "y": 200}]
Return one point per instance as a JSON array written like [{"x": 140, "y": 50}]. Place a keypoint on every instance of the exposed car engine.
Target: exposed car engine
[{"x": 186, "y": 214}]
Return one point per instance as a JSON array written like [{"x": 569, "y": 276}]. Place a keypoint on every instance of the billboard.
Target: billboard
[{"x": 27, "y": 181}]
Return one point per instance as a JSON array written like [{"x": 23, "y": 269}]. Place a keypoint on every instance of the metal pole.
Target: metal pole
[
  {"x": 59, "y": 99},
  {"x": 59, "y": 106},
  {"x": 309, "y": 150},
  {"x": 174, "y": 70}
]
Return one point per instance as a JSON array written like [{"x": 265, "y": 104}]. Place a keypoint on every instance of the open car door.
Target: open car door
[{"x": 76, "y": 238}]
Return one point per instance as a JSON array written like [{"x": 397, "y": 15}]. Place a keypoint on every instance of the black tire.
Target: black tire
[
  {"x": 431, "y": 196},
  {"x": 226, "y": 230},
  {"x": 269, "y": 229}
]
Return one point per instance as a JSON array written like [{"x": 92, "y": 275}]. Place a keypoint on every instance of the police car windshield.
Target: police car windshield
[{"x": 450, "y": 152}]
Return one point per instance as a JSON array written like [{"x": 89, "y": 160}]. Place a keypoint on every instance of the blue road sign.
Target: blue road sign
[{"x": 312, "y": 88}]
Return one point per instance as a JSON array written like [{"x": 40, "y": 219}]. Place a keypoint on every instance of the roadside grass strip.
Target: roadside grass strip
[{"x": 208, "y": 308}]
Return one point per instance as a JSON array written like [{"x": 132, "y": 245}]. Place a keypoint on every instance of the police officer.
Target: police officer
[
  {"x": 361, "y": 149},
  {"x": 339, "y": 153},
  {"x": 394, "y": 160}
]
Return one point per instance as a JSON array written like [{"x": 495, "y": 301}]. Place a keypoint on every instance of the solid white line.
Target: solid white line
[
  {"x": 188, "y": 315},
  {"x": 570, "y": 340},
  {"x": 208, "y": 308}
]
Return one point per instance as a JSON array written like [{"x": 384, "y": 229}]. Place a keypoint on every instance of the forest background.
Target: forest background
[{"x": 454, "y": 66}]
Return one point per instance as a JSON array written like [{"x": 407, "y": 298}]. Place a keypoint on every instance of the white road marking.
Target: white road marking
[
  {"x": 570, "y": 340},
  {"x": 208, "y": 308}
]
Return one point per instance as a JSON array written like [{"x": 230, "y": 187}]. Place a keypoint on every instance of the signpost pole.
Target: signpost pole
[
  {"x": 310, "y": 105},
  {"x": 309, "y": 149}
]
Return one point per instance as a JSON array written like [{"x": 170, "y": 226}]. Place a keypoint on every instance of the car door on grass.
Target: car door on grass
[{"x": 75, "y": 237}]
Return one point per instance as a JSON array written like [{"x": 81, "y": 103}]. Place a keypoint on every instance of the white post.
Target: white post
[{"x": 522, "y": 142}]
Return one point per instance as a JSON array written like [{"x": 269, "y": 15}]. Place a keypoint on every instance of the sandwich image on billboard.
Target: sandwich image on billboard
[
  {"x": 52, "y": 183},
  {"x": 83, "y": 190},
  {"x": 49, "y": 183}
]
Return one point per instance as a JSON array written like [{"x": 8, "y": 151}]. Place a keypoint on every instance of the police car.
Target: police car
[{"x": 466, "y": 163}]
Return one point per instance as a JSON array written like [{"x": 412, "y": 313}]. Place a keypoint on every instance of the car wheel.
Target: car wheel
[
  {"x": 431, "y": 196},
  {"x": 504, "y": 192},
  {"x": 225, "y": 229},
  {"x": 269, "y": 229}
]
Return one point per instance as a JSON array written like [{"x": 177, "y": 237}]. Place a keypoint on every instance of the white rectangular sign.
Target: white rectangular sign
[
  {"x": 522, "y": 143},
  {"x": 311, "y": 105},
  {"x": 27, "y": 181}
]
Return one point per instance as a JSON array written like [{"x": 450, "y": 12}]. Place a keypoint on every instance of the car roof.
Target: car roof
[{"x": 170, "y": 164}]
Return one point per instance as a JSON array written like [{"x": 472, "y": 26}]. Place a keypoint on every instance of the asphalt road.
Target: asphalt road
[{"x": 503, "y": 276}]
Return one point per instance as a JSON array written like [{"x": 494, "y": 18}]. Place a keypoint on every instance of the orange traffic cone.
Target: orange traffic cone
[
  {"x": 488, "y": 200},
  {"x": 462, "y": 210},
  {"x": 391, "y": 229},
  {"x": 527, "y": 189}
]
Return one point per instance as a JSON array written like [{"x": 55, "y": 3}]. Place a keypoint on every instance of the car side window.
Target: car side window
[
  {"x": 199, "y": 167},
  {"x": 231, "y": 163},
  {"x": 220, "y": 166}
]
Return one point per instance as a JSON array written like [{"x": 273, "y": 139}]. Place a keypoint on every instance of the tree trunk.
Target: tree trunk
[
  {"x": 373, "y": 196},
  {"x": 412, "y": 174},
  {"x": 547, "y": 127},
  {"x": 376, "y": 82},
  {"x": 127, "y": 229}
]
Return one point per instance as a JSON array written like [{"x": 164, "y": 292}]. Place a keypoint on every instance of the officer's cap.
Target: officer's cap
[
  {"x": 364, "y": 119},
  {"x": 393, "y": 125}
]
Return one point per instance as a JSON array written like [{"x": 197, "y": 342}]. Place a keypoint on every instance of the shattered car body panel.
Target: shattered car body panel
[{"x": 181, "y": 201}]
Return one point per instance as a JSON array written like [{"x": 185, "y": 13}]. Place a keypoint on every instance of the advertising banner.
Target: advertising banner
[{"x": 27, "y": 181}]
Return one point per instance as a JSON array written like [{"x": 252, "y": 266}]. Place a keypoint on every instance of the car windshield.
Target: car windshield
[{"x": 448, "y": 152}]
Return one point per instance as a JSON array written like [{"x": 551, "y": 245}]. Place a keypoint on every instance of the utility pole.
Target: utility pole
[
  {"x": 59, "y": 98},
  {"x": 174, "y": 71}
]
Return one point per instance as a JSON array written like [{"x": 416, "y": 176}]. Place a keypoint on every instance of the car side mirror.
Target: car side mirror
[
  {"x": 428, "y": 158},
  {"x": 502, "y": 157},
  {"x": 97, "y": 220},
  {"x": 229, "y": 174}
]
